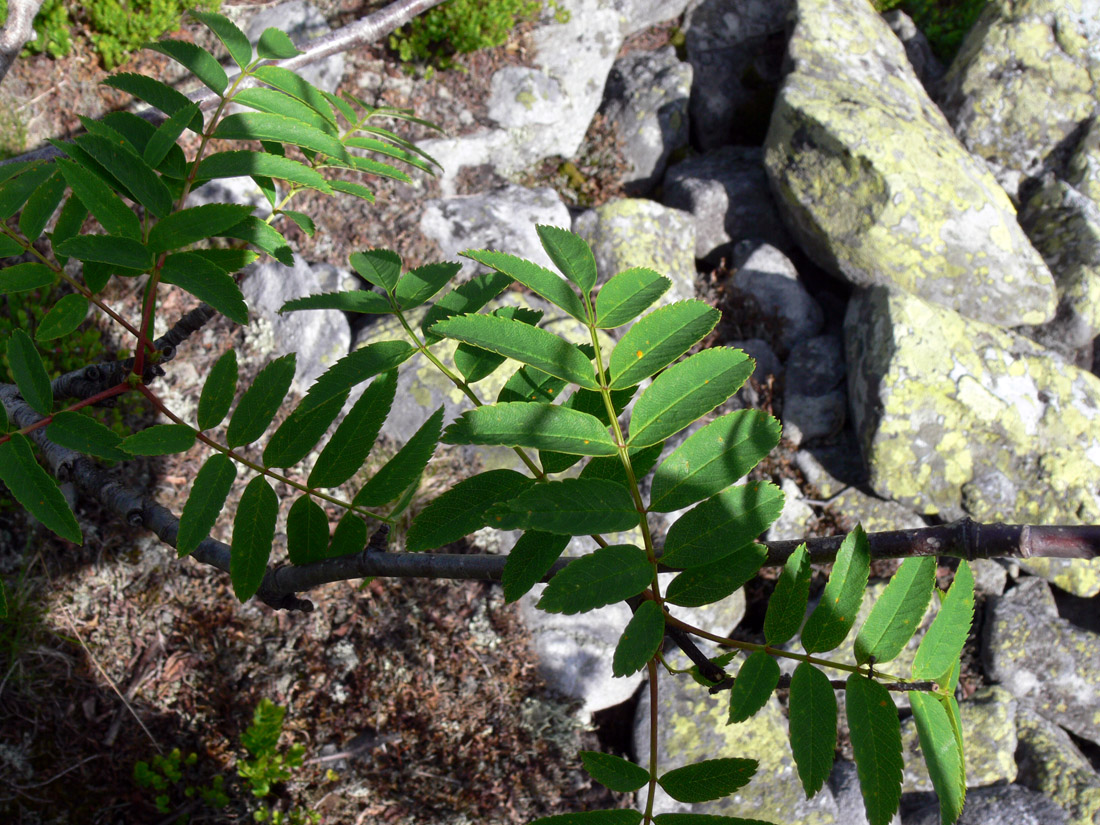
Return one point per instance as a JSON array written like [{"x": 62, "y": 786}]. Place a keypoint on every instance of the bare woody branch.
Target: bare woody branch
[{"x": 17, "y": 31}]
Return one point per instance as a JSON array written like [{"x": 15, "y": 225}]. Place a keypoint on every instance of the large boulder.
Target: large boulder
[
  {"x": 1025, "y": 79},
  {"x": 1049, "y": 762},
  {"x": 959, "y": 417},
  {"x": 1083, "y": 169},
  {"x": 875, "y": 185}
]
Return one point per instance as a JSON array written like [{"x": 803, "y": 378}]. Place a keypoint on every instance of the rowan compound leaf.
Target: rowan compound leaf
[
  {"x": 610, "y": 817},
  {"x": 755, "y": 682},
  {"x": 571, "y": 255},
  {"x": 722, "y": 524},
  {"x": 942, "y": 645},
  {"x": 198, "y": 223},
  {"x": 897, "y": 614},
  {"x": 464, "y": 299},
  {"x": 160, "y": 439},
  {"x": 941, "y": 753},
  {"x": 35, "y": 489},
  {"x": 234, "y": 40},
  {"x": 461, "y": 510},
  {"x": 280, "y": 129},
  {"x": 260, "y": 402},
  {"x": 522, "y": 342},
  {"x": 627, "y": 295},
  {"x": 196, "y": 60},
  {"x": 166, "y": 135},
  {"x": 85, "y": 435},
  {"x": 366, "y": 362},
  {"x": 539, "y": 280},
  {"x": 686, "y": 391},
  {"x": 395, "y": 476},
  {"x": 131, "y": 171},
  {"x": 206, "y": 501},
  {"x": 607, "y": 575},
  {"x": 107, "y": 207},
  {"x": 574, "y": 506},
  {"x": 476, "y": 363},
  {"x": 300, "y": 432},
  {"x": 276, "y": 45},
  {"x": 276, "y": 102},
  {"x": 832, "y": 619},
  {"x": 17, "y": 189},
  {"x": 709, "y": 779},
  {"x": 787, "y": 606},
  {"x": 640, "y": 641},
  {"x": 713, "y": 582},
  {"x": 350, "y": 536},
  {"x": 253, "y": 533},
  {"x": 306, "y": 531},
  {"x": 812, "y": 726},
  {"x": 25, "y": 276},
  {"x": 29, "y": 372},
  {"x": 263, "y": 164},
  {"x": 41, "y": 205},
  {"x": 218, "y": 391},
  {"x": 658, "y": 339},
  {"x": 418, "y": 285},
  {"x": 876, "y": 744},
  {"x": 297, "y": 87},
  {"x": 359, "y": 300},
  {"x": 538, "y": 426},
  {"x": 614, "y": 772},
  {"x": 350, "y": 445},
  {"x": 713, "y": 458},
  {"x": 65, "y": 316},
  {"x": 207, "y": 282},
  {"x": 531, "y": 558},
  {"x": 108, "y": 249}
]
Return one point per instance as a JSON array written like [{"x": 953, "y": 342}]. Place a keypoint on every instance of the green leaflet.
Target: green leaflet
[
  {"x": 404, "y": 468},
  {"x": 465, "y": 299},
  {"x": 160, "y": 439},
  {"x": 359, "y": 300},
  {"x": 876, "y": 744},
  {"x": 713, "y": 458},
  {"x": 198, "y": 223},
  {"x": 357, "y": 367},
  {"x": 68, "y": 224},
  {"x": 574, "y": 506},
  {"x": 164, "y": 138},
  {"x": 616, "y": 773},
  {"x": 381, "y": 267},
  {"x": 941, "y": 753},
  {"x": 538, "y": 426},
  {"x": 835, "y": 614},
  {"x": 15, "y": 191},
  {"x": 475, "y": 363},
  {"x": 218, "y": 391},
  {"x": 131, "y": 171},
  {"x": 787, "y": 606},
  {"x": 658, "y": 339},
  {"x": 299, "y": 88},
  {"x": 300, "y": 432},
  {"x": 704, "y": 819},
  {"x": 266, "y": 126},
  {"x": 707, "y": 780},
  {"x": 259, "y": 403},
  {"x": 529, "y": 384},
  {"x": 611, "y": 467},
  {"x": 418, "y": 285},
  {"x": 253, "y": 533},
  {"x": 107, "y": 207},
  {"x": 461, "y": 510},
  {"x": 276, "y": 45},
  {"x": 722, "y": 524},
  {"x": 10, "y": 247},
  {"x": 388, "y": 150},
  {"x": 350, "y": 536},
  {"x": 640, "y": 640},
  {"x": 157, "y": 94},
  {"x": 372, "y": 167},
  {"x": 536, "y": 278},
  {"x": 530, "y": 560},
  {"x": 352, "y": 442},
  {"x": 275, "y": 102},
  {"x": 943, "y": 643},
  {"x": 304, "y": 221},
  {"x": 41, "y": 206},
  {"x": 33, "y": 488},
  {"x": 65, "y": 316},
  {"x": 627, "y": 295},
  {"x": 813, "y": 726},
  {"x": 243, "y": 162},
  {"x": 356, "y": 190},
  {"x": 207, "y": 498},
  {"x": 571, "y": 255},
  {"x": 207, "y": 282},
  {"x": 234, "y": 40},
  {"x": 607, "y": 575},
  {"x": 686, "y": 391},
  {"x": 85, "y": 435},
  {"x": 591, "y": 403},
  {"x": 755, "y": 682},
  {"x": 713, "y": 582},
  {"x": 524, "y": 343},
  {"x": 227, "y": 260},
  {"x": 306, "y": 531},
  {"x": 198, "y": 61},
  {"x": 25, "y": 277},
  {"x": 108, "y": 249},
  {"x": 897, "y": 614},
  {"x": 29, "y": 372},
  {"x": 262, "y": 236},
  {"x": 611, "y": 817}
]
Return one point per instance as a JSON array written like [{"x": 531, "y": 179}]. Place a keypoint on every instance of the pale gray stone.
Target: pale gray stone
[
  {"x": 766, "y": 274},
  {"x": 925, "y": 63},
  {"x": 995, "y": 805},
  {"x": 303, "y": 22}
]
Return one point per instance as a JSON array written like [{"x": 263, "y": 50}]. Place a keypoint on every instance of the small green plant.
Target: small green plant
[
  {"x": 944, "y": 22},
  {"x": 174, "y": 778}
]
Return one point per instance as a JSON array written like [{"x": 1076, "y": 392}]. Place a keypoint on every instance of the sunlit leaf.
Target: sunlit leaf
[
  {"x": 616, "y": 773},
  {"x": 709, "y": 779},
  {"x": 897, "y": 613},
  {"x": 813, "y": 726},
  {"x": 658, "y": 339},
  {"x": 242, "y": 162},
  {"x": 276, "y": 45},
  {"x": 627, "y": 295},
  {"x": 260, "y": 402},
  {"x": 275, "y": 102},
  {"x": 157, "y": 94},
  {"x": 832, "y": 619},
  {"x": 262, "y": 236},
  {"x": 381, "y": 267},
  {"x": 575, "y": 506},
  {"x": 461, "y": 510},
  {"x": 640, "y": 641},
  {"x": 713, "y": 582},
  {"x": 876, "y": 744},
  {"x": 941, "y": 753},
  {"x": 943, "y": 643},
  {"x": 206, "y": 501},
  {"x": 234, "y": 40},
  {"x": 195, "y": 59},
  {"x": 538, "y": 426},
  {"x": 463, "y": 299},
  {"x": 538, "y": 279},
  {"x": 787, "y": 606},
  {"x": 188, "y": 226},
  {"x": 605, "y": 576},
  {"x": 476, "y": 363},
  {"x": 571, "y": 255},
  {"x": 350, "y": 445},
  {"x": 722, "y": 524},
  {"x": 418, "y": 285},
  {"x": 267, "y": 126},
  {"x": 753, "y": 686}
]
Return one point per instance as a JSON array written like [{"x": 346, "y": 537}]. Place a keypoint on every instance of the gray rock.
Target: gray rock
[
  {"x": 639, "y": 15},
  {"x": 242, "y": 190},
  {"x": 876, "y": 188},
  {"x": 926, "y": 65},
  {"x": 793, "y": 522},
  {"x": 766, "y": 274},
  {"x": 1025, "y": 78},
  {"x": 995, "y": 805},
  {"x": 503, "y": 219},
  {"x": 303, "y": 22},
  {"x": 1083, "y": 169},
  {"x": 726, "y": 191},
  {"x": 1051, "y": 764},
  {"x": 955, "y": 416},
  {"x": 646, "y": 101},
  {"x": 816, "y": 365},
  {"x": 736, "y": 52},
  {"x": 816, "y": 401},
  {"x": 810, "y": 417},
  {"x": 990, "y": 576},
  {"x": 1044, "y": 660},
  {"x": 844, "y": 783}
]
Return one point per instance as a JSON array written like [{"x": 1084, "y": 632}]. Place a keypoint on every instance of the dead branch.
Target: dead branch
[{"x": 17, "y": 32}]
